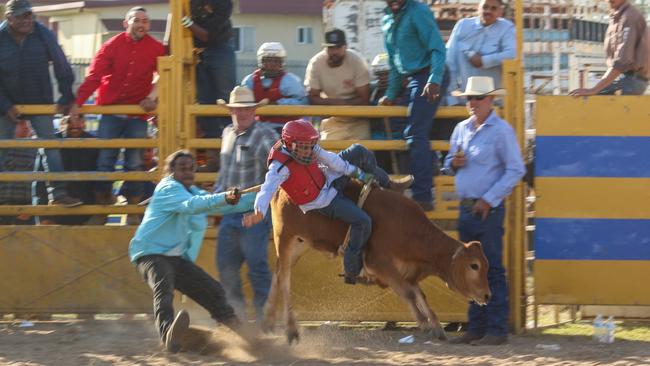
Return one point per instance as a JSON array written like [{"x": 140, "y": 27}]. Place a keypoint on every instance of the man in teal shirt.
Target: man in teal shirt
[
  {"x": 167, "y": 242},
  {"x": 416, "y": 53}
]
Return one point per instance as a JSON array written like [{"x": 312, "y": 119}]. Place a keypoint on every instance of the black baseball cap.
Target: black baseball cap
[
  {"x": 17, "y": 7},
  {"x": 334, "y": 38}
]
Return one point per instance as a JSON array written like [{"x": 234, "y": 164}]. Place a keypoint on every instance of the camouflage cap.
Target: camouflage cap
[{"x": 17, "y": 7}]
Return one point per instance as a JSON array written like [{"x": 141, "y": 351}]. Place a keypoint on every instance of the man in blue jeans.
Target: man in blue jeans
[
  {"x": 244, "y": 148},
  {"x": 486, "y": 160},
  {"x": 211, "y": 27},
  {"x": 415, "y": 52},
  {"x": 26, "y": 49},
  {"x": 122, "y": 72}
]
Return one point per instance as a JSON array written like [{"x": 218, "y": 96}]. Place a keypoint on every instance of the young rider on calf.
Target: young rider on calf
[{"x": 314, "y": 179}]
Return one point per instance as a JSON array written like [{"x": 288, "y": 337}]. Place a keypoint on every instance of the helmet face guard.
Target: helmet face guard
[{"x": 302, "y": 151}]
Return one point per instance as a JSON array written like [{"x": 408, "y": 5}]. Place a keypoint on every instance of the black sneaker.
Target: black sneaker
[{"x": 176, "y": 331}]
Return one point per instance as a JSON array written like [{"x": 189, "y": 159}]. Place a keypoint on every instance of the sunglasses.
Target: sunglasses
[{"x": 476, "y": 97}]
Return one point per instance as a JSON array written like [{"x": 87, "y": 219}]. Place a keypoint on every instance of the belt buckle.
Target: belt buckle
[{"x": 468, "y": 203}]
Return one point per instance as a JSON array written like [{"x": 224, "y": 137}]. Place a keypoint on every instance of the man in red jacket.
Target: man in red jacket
[{"x": 122, "y": 72}]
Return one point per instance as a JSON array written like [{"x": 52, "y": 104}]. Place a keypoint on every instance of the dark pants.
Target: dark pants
[
  {"x": 493, "y": 318},
  {"x": 164, "y": 274},
  {"x": 629, "y": 84},
  {"x": 346, "y": 210},
  {"x": 361, "y": 157},
  {"x": 215, "y": 79},
  {"x": 420, "y": 120}
]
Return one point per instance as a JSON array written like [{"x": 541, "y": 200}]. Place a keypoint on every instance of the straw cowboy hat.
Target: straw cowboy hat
[
  {"x": 242, "y": 97},
  {"x": 479, "y": 85}
]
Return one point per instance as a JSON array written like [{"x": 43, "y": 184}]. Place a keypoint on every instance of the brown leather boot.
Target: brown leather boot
[{"x": 399, "y": 185}]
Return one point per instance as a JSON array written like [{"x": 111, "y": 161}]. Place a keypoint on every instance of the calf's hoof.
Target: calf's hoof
[
  {"x": 268, "y": 326},
  {"x": 293, "y": 336},
  {"x": 439, "y": 333}
]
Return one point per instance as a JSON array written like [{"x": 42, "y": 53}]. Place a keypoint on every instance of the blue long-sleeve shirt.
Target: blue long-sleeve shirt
[
  {"x": 493, "y": 163},
  {"x": 24, "y": 69},
  {"x": 413, "y": 42},
  {"x": 495, "y": 43},
  {"x": 175, "y": 220},
  {"x": 291, "y": 88}
]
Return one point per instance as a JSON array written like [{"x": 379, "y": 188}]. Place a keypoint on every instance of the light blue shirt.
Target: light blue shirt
[
  {"x": 495, "y": 43},
  {"x": 291, "y": 88},
  {"x": 332, "y": 165},
  {"x": 493, "y": 163},
  {"x": 413, "y": 42},
  {"x": 174, "y": 222}
]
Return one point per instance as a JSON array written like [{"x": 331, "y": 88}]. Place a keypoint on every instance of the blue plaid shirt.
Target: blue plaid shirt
[{"x": 24, "y": 69}]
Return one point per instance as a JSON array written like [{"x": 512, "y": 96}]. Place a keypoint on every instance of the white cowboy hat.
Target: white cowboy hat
[
  {"x": 479, "y": 85},
  {"x": 242, "y": 97}
]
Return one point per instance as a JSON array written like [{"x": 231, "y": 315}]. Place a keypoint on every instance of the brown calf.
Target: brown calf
[{"x": 403, "y": 249}]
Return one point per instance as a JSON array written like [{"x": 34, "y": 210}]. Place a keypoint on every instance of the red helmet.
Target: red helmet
[{"x": 299, "y": 132}]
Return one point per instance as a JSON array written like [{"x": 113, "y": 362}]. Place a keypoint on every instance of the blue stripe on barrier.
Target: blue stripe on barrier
[
  {"x": 592, "y": 239},
  {"x": 592, "y": 156}
]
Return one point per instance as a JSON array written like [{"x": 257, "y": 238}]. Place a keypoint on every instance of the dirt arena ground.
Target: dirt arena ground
[{"x": 134, "y": 342}]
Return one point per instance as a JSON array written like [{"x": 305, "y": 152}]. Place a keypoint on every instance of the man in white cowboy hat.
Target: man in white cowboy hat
[
  {"x": 245, "y": 146},
  {"x": 486, "y": 160}
]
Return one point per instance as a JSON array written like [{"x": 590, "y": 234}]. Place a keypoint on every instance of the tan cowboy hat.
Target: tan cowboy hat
[
  {"x": 242, "y": 97},
  {"x": 479, "y": 85}
]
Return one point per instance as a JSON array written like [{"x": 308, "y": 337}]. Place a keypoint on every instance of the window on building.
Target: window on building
[
  {"x": 244, "y": 38},
  {"x": 305, "y": 35}
]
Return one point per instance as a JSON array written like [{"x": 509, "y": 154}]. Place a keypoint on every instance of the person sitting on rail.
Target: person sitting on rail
[{"x": 314, "y": 179}]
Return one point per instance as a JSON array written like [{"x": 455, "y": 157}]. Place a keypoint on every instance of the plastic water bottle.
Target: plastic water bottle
[
  {"x": 610, "y": 330},
  {"x": 599, "y": 328}
]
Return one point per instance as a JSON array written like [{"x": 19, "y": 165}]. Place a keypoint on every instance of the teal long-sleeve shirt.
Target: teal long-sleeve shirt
[
  {"x": 413, "y": 42},
  {"x": 175, "y": 219}
]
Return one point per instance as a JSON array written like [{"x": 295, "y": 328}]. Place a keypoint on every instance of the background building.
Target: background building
[{"x": 82, "y": 27}]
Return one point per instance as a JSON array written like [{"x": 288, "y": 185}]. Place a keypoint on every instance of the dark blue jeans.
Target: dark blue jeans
[
  {"x": 215, "y": 79},
  {"x": 346, "y": 210},
  {"x": 236, "y": 245},
  {"x": 420, "y": 120},
  {"x": 44, "y": 129},
  {"x": 361, "y": 157},
  {"x": 628, "y": 84},
  {"x": 493, "y": 318},
  {"x": 164, "y": 274},
  {"x": 113, "y": 127}
]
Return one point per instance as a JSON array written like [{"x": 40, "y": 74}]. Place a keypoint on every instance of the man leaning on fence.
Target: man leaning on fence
[
  {"x": 627, "y": 47},
  {"x": 122, "y": 73},
  {"x": 478, "y": 46},
  {"x": 26, "y": 49},
  {"x": 339, "y": 76}
]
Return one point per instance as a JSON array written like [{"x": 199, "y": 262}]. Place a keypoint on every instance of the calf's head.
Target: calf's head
[{"x": 469, "y": 268}]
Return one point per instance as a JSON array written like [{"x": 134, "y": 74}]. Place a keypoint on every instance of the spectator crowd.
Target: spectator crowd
[{"x": 418, "y": 70}]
